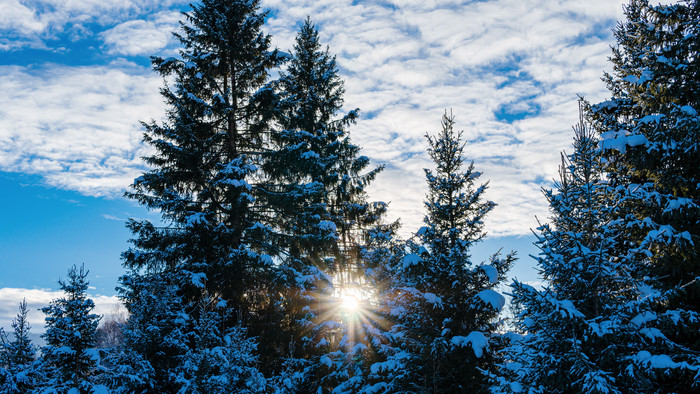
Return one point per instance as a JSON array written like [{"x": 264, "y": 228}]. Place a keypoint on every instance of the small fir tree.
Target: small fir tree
[
  {"x": 446, "y": 305},
  {"x": 69, "y": 357},
  {"x": 17, "y": 374}
]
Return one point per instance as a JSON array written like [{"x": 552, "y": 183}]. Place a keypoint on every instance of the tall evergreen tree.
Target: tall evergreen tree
[
  {"x": 213, "y": 246},
  {"x": 594, "y": 327},
  {"x": 69, "y": 358},
  {"x": 447, "y": 306},
  {"x": 316, "y": 191},
  {"x": 17, "y": 374},
  {"x": 651, "y": 131}
]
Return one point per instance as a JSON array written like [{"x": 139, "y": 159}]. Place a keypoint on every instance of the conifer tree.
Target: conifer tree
[
  {"x": 17, "y": 374},
  {"x": 447, "y": 307},
  {"x": 594, "y": 327},
  {"x": 214, "y": 245},
  {"x": 69, "y": 359},
  {"x": 220, "y": 362},
  {"x": 154, "y": 336},
  {"x": 316, "y": 191},
  {"x": 650, "y": 130}
]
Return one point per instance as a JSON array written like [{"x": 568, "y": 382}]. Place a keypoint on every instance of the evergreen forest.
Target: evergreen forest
[{"x": 272, "y": 270}]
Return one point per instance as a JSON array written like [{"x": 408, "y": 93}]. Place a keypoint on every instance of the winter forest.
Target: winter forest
[{"x": 271, "y": 270}]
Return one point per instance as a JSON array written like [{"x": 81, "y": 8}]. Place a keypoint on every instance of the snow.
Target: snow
[
  {"x": 411, "y": 259},
  {"x": 605, "y": 105},
  {"x": 238, "y": 183},
  {"x": 325, "y": 360},
  {"x": 567, "y": 308},
  {"x": 326, "y": 225},
  {"x": 432, "y": 298},
  {"x": 643, "y": 318},
  {"x": 195, "y": 218},
  {"x": 661, "y": 361},
  {"x": 100, "y": 389},
  {"x": 516, "y": 387},
  {"x": 619, "y": 140},
  {"x": 491, "y": 273},
  {"x": 476, "y": 339},
  {"x": 678, "y": 203},
  {"x": 493, "y": 298},
  {"x": 656, "y": 118}
]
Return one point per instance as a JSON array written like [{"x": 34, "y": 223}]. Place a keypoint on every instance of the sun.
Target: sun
[{"x": 349, "y": 303}]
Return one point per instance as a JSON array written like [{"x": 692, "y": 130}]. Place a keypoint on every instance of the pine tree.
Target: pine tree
[
  {"x": 17, "y": 374},
  {"x": 316, "y": 190},
  {"x": 650, "y": 130},
  {"x": 69, "y": 358},
  {"x": 214, "y": 242},
  {"x": 594, "y": 327},
  {"x": 447, "y": 306}
]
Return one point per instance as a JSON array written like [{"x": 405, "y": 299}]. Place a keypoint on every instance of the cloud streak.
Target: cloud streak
[
  {"x": 510, "y": 70},
  {"x": 76, "y": 126},
  {"x": 39, "y": 298}
]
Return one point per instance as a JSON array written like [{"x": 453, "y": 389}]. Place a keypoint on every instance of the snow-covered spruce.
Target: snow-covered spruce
[
  {"x": 315, "y": 187},
  {"x": 69, "y": 360},
  {"x": 596, "y": 325},
  {"x": 214, "y": 245},
  {"x": 650, "y": 137},
  {"x": 443, "y": 305},
  {"x": 18, "y": 372}
]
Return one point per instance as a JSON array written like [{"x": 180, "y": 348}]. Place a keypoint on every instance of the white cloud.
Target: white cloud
[
  {"x": 39, "y": 298},
  {"x": 142, "y": 37},
  {"x": 404, "y": 63},
  {"x": 76, "y": 126},
  {"x": 28, "y": 23}
]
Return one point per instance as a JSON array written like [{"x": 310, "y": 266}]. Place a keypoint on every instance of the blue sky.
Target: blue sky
[{"x": 76, "y": 81}]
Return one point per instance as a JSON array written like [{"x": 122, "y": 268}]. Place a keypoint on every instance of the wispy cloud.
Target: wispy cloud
[
  {"x": 511, "y": 71},
  {"x": 76, "y": 126},
  {"x": 39, "y": 298},
  {"x": 30, "y": 23},
  {"x": 143, "y": 36},
  {"x": 112, "y": 217}
]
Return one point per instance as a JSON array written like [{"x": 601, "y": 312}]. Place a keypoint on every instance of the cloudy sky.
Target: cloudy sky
[{"x": 75, "y": 81}]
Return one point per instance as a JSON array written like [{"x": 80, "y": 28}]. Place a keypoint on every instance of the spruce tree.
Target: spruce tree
[
  {"x": 17, "y": 355},
  {"x": 213, "y": 245},
  {"x": 316, "y": 191},
  {"x": 69, "y": 359},
  {"x": 594, "y": 327},
  {"x": 446, "y": 306},
  {"x": 650, "y": 130}
]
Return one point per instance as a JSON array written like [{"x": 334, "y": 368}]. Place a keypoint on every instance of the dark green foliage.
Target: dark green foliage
[
  {"x": 444, "y": 303},
  {"x": 214, "y": 246},
  {"x": 651, "y": 132},
  {"x": 315, "y": 189},
  {"x": 17, "y": 374},
  {"x": 69, "y": 358},
  {"x": 594, "y": 327}
]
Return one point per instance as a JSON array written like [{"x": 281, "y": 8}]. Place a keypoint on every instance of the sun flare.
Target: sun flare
[{"x": 349, "y": 303}]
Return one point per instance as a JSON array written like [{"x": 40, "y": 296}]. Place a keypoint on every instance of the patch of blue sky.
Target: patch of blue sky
[
  {"x": 523, "y": 108},
  {"x": 45, "y": 230}
]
